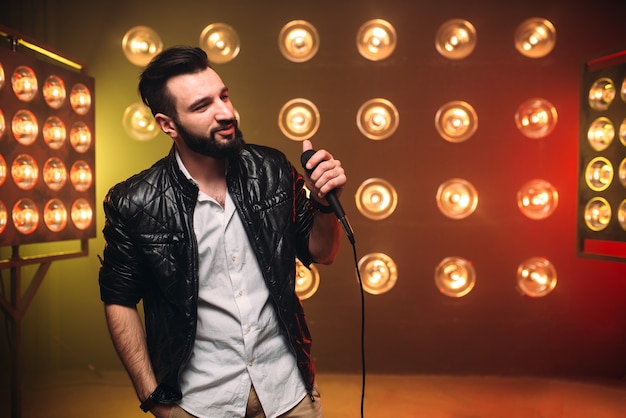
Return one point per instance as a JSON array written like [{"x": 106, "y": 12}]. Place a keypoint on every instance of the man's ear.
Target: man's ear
[{"x": 166, "y": 124}]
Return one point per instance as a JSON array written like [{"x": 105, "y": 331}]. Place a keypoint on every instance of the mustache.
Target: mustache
[{"x": 226, "y": 123}]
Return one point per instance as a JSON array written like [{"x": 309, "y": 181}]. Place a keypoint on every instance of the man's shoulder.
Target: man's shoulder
[
  {"x": 143, "y": 182},
  {"x": 263, "y": 155},
  {"x": 263, "y": 150}
]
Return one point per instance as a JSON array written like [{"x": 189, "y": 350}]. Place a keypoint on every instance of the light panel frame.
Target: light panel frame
[
  {"x": 41, "y": 194},
  {"x": 599, "y": 232}
]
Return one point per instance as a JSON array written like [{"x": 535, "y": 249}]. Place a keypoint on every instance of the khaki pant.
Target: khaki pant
[{"x": 305, "y": 409}]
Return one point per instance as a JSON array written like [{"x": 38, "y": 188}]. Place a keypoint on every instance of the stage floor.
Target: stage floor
[{"x": 109, "y": 394}]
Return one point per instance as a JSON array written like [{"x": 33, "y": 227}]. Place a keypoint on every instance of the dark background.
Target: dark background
[{"x": 577, "y": 330}]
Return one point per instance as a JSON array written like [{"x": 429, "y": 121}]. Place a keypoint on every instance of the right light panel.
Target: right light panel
[{"x": 601, "y": 224}]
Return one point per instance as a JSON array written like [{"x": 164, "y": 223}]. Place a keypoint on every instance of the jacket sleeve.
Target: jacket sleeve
[
  {"x": 304, "y": 220},
  {"x": 119, "y": 273}
]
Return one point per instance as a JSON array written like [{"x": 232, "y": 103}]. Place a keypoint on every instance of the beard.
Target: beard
[{"x": 209, "y": 146}]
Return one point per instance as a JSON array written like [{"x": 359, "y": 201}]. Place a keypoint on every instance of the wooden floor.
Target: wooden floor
[{"x": 90, "y": 394}]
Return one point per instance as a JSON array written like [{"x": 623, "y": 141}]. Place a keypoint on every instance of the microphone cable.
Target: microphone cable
[
  {"x": 363, "y": 370},
  {"x": 333, "y": 201}
]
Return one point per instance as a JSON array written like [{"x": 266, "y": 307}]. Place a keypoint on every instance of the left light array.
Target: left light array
[{"x": 47, "y": 151}]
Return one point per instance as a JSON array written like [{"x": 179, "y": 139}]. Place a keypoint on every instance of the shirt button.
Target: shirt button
[{"x": 233, "y": 257}]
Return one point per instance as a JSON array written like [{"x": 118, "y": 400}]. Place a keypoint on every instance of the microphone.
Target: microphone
[{"x": 331, "y": 198}]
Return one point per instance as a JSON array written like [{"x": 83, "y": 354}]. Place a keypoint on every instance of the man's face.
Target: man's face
[{"x": 205, "y": 120}]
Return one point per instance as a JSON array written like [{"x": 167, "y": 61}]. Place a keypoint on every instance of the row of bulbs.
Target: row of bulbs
[
  {"x": 454, "y": 277},
  {"x": 376, "y": 39}
]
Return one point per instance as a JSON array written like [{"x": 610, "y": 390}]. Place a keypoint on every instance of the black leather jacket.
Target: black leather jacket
[{"x": 151, "y": 252}]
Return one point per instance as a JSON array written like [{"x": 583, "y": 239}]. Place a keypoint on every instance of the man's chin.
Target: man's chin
[{"x": 225, "y": 149}]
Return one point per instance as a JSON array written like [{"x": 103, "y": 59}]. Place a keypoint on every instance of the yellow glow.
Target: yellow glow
[
  {"x": 80, "y": 99},
  {"x": 81, "y": 176},
  {"x": 376, "y": 198},
  {"x": 457, "y": 198},
  {"x": 535, "y": 37},
  {"x": 456, "y": 39},
  {"x": 456, "y": 121},
  {"x": 376, "y": 39},
  {"x": 379, "y": 273},
  {"x": 54, "y": 133},
  {"x": 298, "y": 41},
  {"x": 536, "y": 118},
  {"x": 4, "y": 216},
  {"x": 597, "y": 214},
  {"x": 49, "y": 54},
  {"x": 25, "y": 127},
  {"x": 81, "y": 214},
  {"x": 25, "y": 216},
  {"x": 537, "y": 199},
  {"x": 54, "y": 173},
  {"x": 307, "y": 280},
  {"x": 25, "y": 171},
  {"x": 455, "y": 276},
  {"x": 55, "y": 215},
  {"x": 220, "y": 41},
  {"x": 601, "y": 133},
  {"x": 80, "y": 137},
  {"x": 599, "y": 174},
  {"x": 299, "y": 119},
  {"x": 140, "y": 44},
  {"x": 377, "y": 119},
  {"x": 3, "y": 170},
  {"x": 536, "y": 277},
  {"x": 54, "y": 91}
]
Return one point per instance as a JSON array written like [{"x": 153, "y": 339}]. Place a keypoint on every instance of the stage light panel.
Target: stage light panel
[
  {"x": 47, "y": 152},
  {"x": 601, "y": 178}
]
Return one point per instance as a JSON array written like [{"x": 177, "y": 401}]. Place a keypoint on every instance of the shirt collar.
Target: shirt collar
[{"x": 183, "y": 168}]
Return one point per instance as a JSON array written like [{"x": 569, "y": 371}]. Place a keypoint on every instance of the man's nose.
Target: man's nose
[{"x": 225, "y": 110}]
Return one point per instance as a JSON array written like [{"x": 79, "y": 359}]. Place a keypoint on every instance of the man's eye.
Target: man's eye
[{"x": 225, "y": 97}]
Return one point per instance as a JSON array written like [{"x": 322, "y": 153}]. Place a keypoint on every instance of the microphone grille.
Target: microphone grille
[{"x": 305, "y": 157}]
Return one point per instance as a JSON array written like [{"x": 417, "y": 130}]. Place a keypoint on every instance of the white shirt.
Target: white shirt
[{"x": 238, "y": 343}]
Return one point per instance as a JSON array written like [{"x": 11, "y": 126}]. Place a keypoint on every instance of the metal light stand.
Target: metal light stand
[{"x": 16, "y": 307}]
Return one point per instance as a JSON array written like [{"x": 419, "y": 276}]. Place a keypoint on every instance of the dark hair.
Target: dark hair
[{"x": 170, "y": 62}]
